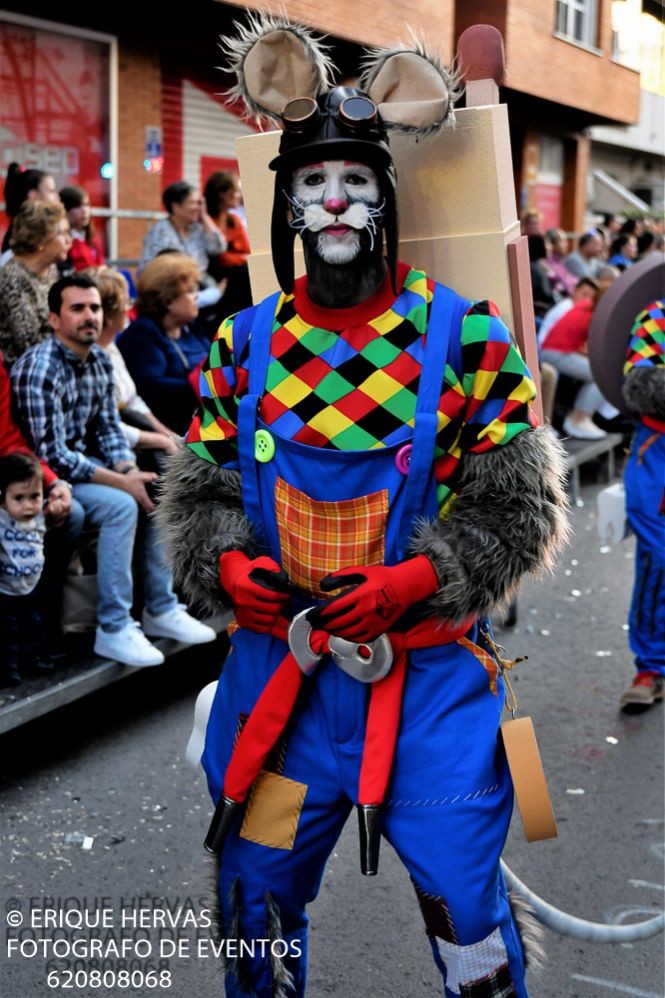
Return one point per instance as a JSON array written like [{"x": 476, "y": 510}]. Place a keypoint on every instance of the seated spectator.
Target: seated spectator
[
  {"x": 611, "y": 224},
  {"x": 23, "y": 185},
  {"x": 586, "y": 288},
  {"x": 531, "y": 223},
  {"x": 623, "y": 252},
  {"x": 86, "y": 250},
  {"x": 558, "y": 244},
  {"x": 143, "y": 431},
  {"x": 649, "y": 242},
  {"x": 22, "y": 529},
  {"x": 544, "y": 296},
  {"x": 565, "y": 348},
  {"x": 188, "y": 229},
  {"x": 64, "y": 520},
  {"x": 65, "y": 399},
  {"x": 631, "y": 227},
  {"x": 223, "y": 196},
  {"x": 164, "y": 345},
  {"x": 40, "y": 239},
  {"x": 586, "y": 260}
]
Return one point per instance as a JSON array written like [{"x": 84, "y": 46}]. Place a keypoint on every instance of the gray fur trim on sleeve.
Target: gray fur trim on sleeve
[
  {"x": 200, "y": 514},
  {"x": 644, "y": 391},
  {"x": 508, "y": 519}
]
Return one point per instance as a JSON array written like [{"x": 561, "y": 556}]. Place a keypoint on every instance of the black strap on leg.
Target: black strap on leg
[{"x": 369, "y": 829}]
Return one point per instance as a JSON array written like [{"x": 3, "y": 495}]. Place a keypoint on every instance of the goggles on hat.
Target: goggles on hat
[{"x": 356, "y": 112}]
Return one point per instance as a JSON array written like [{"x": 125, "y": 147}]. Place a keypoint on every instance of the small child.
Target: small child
[{"x": 22, "y": 529}]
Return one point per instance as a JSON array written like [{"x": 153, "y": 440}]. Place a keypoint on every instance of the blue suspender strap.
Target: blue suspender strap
[
  {"x": 445, "y": 321},
  {"x": 259, "y": 356}
]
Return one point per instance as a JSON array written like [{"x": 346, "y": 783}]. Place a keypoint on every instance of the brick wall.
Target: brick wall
[
  {"x": 384, "y": 24},
  {"x": 537, "y": 63},
  {"x": 139, "y": 104}
]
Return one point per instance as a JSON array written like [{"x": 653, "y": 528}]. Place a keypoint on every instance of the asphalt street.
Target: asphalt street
[{"x": 100, "y": 812}]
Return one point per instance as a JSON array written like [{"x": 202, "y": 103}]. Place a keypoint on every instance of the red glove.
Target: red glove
[
  {"x": 377, "y": 598},
  {"x": 259, "y": 589}
]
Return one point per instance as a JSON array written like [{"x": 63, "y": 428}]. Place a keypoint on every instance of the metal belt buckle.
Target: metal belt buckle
[
  {"x": 299, "y": 646},
  {"x": 368, "y": 667}
]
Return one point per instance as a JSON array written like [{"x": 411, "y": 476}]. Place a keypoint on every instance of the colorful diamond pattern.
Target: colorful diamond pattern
[
  {"x": 647, "y": 339},
  {"x": 356, "y": 388}
]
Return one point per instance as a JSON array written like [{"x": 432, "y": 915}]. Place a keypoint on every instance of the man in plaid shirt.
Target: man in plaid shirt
[{"x": 66, "y": 404}]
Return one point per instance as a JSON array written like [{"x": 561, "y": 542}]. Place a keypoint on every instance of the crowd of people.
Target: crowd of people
[
  {"x": 96, "y": 392},
  {"x": 567, "y": 285}
]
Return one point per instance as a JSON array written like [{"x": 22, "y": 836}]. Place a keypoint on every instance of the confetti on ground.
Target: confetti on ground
[
  {"x": 612, "y": 740},
  {"x": 605, "y": 549},
  {"x": 603, "y": 654},
  {"x": 575, "y": 592},
  {"x": 545, "y": 633},
  {"x": 575, "y": 791}
]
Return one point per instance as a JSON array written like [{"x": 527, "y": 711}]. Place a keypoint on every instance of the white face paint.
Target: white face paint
[{"x": 336, "y": 200}]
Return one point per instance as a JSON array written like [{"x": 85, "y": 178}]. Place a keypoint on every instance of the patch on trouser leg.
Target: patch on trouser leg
[
  {"x": 479, "y": 970},
  {"x": 283, "y": 984},
  {"x": 273, "y": 811},
  {"x": 436, "y": 915}
]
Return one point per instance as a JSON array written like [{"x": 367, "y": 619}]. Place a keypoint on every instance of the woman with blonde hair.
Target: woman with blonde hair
[
  {"x": 164, "y": 345},
  {"x": 143, "y": 431},
  {"x": 40, "y": 240}
]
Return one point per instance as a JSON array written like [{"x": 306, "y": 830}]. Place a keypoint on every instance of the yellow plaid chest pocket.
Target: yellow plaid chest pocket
[{"x": 319, "y": 537}]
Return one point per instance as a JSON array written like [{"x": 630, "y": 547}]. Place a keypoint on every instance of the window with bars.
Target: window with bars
[{"x": 576, "y": 19}]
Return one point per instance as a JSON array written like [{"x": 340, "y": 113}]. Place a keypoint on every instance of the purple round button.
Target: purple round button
[{"x": 403, "y": 459}]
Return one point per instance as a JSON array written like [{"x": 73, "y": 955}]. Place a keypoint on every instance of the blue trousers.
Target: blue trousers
[
  {"x": 447, "y": 816},
  {"x": 115, "y": 514},
  {"x": 645, "y": 492}
]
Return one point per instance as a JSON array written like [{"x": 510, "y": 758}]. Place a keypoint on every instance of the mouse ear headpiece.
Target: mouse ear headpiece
[{"x": 284, "y": 74}]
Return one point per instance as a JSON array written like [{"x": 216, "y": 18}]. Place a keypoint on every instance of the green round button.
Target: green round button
[{"x": 264, "y": 446}]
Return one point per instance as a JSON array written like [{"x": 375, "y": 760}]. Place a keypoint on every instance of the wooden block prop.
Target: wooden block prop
[
  {"x": 526, "y": 770},
  {"x": 456, "y": 207}
]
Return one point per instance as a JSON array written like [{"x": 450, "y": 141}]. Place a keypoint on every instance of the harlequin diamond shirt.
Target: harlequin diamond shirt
[
  {"x": 348, "y": 379},
  {"x": 647, "y": 339}
]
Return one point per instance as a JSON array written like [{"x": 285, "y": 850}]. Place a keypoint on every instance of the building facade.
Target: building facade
[{"x": 124, "y": 106}]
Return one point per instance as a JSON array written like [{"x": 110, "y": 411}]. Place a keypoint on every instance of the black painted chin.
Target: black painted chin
[{"x": 342, "y": 285}]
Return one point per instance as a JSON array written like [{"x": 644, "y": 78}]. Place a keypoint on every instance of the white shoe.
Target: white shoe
[
  {"x": 179, "y": 625},
  {"x": 582, "y": 429},
  {"x": 128, "y": 645}
]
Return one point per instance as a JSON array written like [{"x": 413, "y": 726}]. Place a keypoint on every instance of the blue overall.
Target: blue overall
[
  {"x": 644, "y": 478},
  {"x": 450, "y": 797}
]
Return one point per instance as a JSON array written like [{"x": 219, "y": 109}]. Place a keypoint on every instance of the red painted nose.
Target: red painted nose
[{"x": 335, "y": 206}]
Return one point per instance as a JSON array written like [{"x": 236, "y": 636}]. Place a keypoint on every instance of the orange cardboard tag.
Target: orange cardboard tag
[{"x": 526, "y": 769}]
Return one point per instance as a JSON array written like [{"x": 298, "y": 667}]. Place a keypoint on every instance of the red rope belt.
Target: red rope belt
[{"x": 274, "y": 706}]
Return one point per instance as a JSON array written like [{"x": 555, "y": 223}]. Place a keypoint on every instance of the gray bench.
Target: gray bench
[{"x": 579, "y": 452}]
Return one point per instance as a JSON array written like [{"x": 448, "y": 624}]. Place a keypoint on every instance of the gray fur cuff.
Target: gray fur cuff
[
  {"x": 509, "y": 519},
  {"x": 200, "y": 514},
  {"x": 644, "y": 391}
]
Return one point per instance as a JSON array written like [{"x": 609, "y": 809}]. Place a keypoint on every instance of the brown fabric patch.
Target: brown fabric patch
[
  {"x": 436, "y": 915},
  {"x": 273, "y": 811},
  {"x": 319, "y": 537},
  {"x": 485, "y": 659},
  {"x": 498, "y": 984}
]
